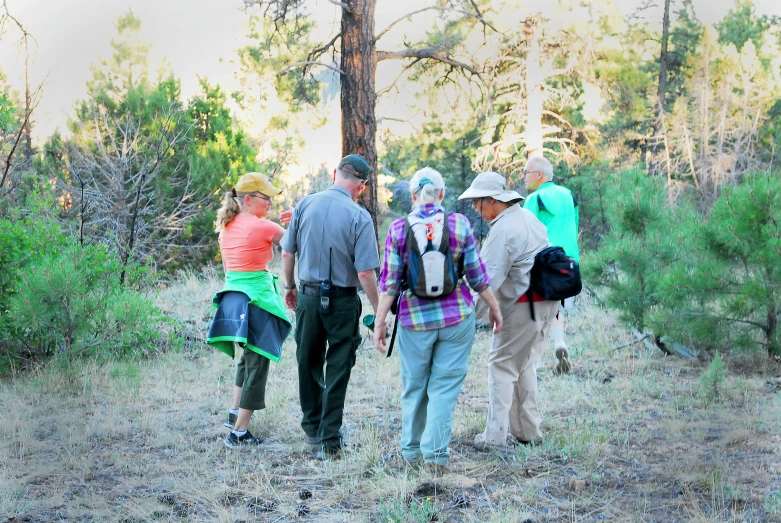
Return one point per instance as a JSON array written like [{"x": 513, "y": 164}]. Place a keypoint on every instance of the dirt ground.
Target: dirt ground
[{"x": 630, "y": 435}]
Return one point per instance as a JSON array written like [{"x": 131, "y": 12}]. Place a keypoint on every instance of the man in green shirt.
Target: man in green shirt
[{"x": 557, "y": 208}]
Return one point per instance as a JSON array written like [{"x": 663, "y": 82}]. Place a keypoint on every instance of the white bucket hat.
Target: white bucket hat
[{"x": 493, "y": 185}]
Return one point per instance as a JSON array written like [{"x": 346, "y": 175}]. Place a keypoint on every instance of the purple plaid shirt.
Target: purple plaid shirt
[{"x": 430, "y": 314}]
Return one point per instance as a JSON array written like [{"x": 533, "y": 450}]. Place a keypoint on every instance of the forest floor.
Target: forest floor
[{"x": 630, "y": 435}]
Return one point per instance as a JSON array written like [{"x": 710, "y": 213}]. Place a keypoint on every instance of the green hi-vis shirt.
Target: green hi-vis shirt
[{"x": 557, "y": 208}]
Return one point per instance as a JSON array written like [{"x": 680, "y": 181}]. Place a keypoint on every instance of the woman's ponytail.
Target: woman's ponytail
[{"x": 229, "y": 210}]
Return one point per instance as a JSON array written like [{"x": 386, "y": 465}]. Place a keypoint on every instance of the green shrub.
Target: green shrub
[
  {"x": 646, "y": 239},
  {"x": 729, "y": 295},
  {"x": 407, "y": 511},
  {"x": 22, "y": 241},
  {"x": 71, "y": 303},
  {"x": 712, "y": 379}
]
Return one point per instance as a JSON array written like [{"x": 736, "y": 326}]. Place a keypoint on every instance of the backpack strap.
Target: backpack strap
[
  {"x": 407, "y": 231},
  {"x": 530, "y": 297},
  {"x": 395, "y": 326},
  {"x": 444, "y": 243}
]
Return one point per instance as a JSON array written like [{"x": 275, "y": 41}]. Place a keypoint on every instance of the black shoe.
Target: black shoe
[
  {"x": 237, "y": 441},
  {"x": 328, "y": 453},
  {"x": 231, "y": 421}
]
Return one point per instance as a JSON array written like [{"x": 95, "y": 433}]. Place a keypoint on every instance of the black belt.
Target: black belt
[{"x": 313, "y": 289}]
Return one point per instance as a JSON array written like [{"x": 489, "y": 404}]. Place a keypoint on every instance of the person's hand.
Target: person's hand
[
  {"x": 291, "y": 297},
  {"x": 285, "y": 217},
  {"x": 495, "y": 319},
  {"x": 380, "y": 336}
]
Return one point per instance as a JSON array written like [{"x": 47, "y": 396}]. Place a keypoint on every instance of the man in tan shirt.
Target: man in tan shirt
[{"x": 516, "y": 236}]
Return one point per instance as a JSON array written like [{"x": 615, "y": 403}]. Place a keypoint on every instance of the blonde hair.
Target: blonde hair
[
  {"x": 229, "y": 210},
  {"x": 430, "y": 190}
]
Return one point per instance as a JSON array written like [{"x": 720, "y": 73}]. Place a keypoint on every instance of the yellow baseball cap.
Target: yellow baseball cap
[{"x": 256, "y": 182}]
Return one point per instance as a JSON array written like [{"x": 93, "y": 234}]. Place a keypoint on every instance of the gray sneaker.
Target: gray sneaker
[
  {"x": 231, "y": 421},
  {"x": 563, "y": 366},
  {"x": 311, "y": 441}
]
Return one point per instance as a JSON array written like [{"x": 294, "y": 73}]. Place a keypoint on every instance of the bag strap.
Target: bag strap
[
  {"x": 395, "y": 326},
  {"x": 444, "y": 243},
  {"x": 530, "y": 297}
]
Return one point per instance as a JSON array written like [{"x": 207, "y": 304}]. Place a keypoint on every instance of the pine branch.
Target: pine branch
[
  {"x": 431, "y": 53},
  {"x": 308, "y": 63}
]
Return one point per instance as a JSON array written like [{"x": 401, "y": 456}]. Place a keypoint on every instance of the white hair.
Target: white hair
[
  {"x": 427, "y": 186},
  {"x": 541, "y": 164}
]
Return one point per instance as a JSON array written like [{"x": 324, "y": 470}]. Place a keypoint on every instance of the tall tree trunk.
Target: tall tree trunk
[
  {"x": 358, "y": 98},
  {"x": 534, "y": 86},
  {"x": 28, "y": 126},
  {"x": 661, "y": 91}
]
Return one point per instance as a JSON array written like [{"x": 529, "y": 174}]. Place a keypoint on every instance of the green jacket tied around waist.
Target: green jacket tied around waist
[{"x": 250, "y": 311}]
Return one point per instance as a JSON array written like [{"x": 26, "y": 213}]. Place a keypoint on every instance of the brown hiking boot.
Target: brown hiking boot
[{"x": 563, "y": 367}]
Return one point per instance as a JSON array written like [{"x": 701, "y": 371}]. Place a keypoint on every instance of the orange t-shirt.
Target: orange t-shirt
[{"x": 245, "y": 243}]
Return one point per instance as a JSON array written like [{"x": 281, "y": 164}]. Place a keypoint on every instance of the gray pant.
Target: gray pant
[{"x": 512, "y": 373}]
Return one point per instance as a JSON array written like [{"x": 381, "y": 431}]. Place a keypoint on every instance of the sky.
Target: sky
[{"x": 73, "y": 34}]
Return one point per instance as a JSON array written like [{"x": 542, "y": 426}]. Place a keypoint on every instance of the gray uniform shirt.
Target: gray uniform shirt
[
  {"x": 332, "y": 220},
  {"x": 516, "y": 236}
]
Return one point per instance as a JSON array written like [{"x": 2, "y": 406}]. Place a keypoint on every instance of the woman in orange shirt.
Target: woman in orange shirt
[{"x": 250, "y": 310}]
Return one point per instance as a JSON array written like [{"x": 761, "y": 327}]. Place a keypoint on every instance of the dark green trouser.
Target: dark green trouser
[
  {"x": 251, "y": 376},
  {"x": 322, "y": 397}
]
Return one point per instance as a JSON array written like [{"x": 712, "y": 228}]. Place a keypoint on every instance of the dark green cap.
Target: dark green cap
[{"x": 356, "y": 165}]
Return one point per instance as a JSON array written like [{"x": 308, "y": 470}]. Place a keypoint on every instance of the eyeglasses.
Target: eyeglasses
[
  {"x": 262, "y": 197},
  {"x": 525, "y": 172}
]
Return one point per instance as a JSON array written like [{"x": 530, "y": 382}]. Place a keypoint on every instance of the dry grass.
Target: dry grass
[{"x": 629, "y": 437}]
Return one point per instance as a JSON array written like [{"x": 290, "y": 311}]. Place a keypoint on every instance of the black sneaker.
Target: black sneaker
[
  {"x": 237, "y": 441},
  {"x": 328, "y": 453},
  {"x": 231, "y": 421}
]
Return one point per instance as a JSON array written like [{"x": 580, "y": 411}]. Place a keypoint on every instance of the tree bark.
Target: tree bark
[
  {"x": 358, "y": 98},
  {"x": 534, "y": 86},
  {"x": 28, "y": 127},
  {"x": 661, "y": 91}
]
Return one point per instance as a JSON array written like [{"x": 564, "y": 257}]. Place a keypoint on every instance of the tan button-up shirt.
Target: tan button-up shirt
[{"x": 516, "y": 237}]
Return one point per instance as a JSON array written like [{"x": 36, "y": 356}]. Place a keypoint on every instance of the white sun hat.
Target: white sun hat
[{"x": 493, "y": 185}]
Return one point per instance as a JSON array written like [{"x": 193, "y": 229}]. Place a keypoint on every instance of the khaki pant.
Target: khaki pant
[{"x": 512, "y": 373}]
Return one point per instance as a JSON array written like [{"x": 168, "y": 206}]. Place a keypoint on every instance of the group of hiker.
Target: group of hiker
[{"x": 434, "y": 278}]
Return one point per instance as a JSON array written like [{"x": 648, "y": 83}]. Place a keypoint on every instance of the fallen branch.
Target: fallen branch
[
  {"x": 645, "y": 339},
  {"x": 638, "y": 340}
]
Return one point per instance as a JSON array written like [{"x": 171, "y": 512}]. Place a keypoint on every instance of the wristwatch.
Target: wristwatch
[{"x": 289, "y": 287}]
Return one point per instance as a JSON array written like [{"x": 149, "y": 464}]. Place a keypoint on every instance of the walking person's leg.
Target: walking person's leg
[
  {"x": 524, "y": 415},
  {"x": 233, "y": 413},
  {"x": 310, "y": 356},
  {"x": 415, "y": 348},
  {"x": 564, "y": 365},
  {"x": 510, "y": 350},
  {"x": 252, "y": 371},
  {"x": 449, "y": 365},
  {"x": 341, "y": 327}
]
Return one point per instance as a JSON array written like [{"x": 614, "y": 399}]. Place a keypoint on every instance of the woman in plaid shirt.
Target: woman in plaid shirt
[{"x": 436, "y": 335}]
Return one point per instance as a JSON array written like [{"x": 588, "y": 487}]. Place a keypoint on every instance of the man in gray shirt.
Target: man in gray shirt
[
  {"x": 516, "y": 237},
  {"x": 337, "y": 251}
]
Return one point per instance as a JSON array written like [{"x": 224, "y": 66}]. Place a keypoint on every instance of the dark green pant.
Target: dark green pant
[
  {"x": 251, "y": 376},
  {"x": 323, "y": 374}
]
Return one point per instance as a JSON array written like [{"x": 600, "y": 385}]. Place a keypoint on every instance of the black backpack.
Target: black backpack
[{"x": 554, "y": 276}]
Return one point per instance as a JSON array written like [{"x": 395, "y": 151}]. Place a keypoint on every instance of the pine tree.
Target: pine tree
[
  {"x": 644, "y": 243},
  {"x": 729, "y": 296}
]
